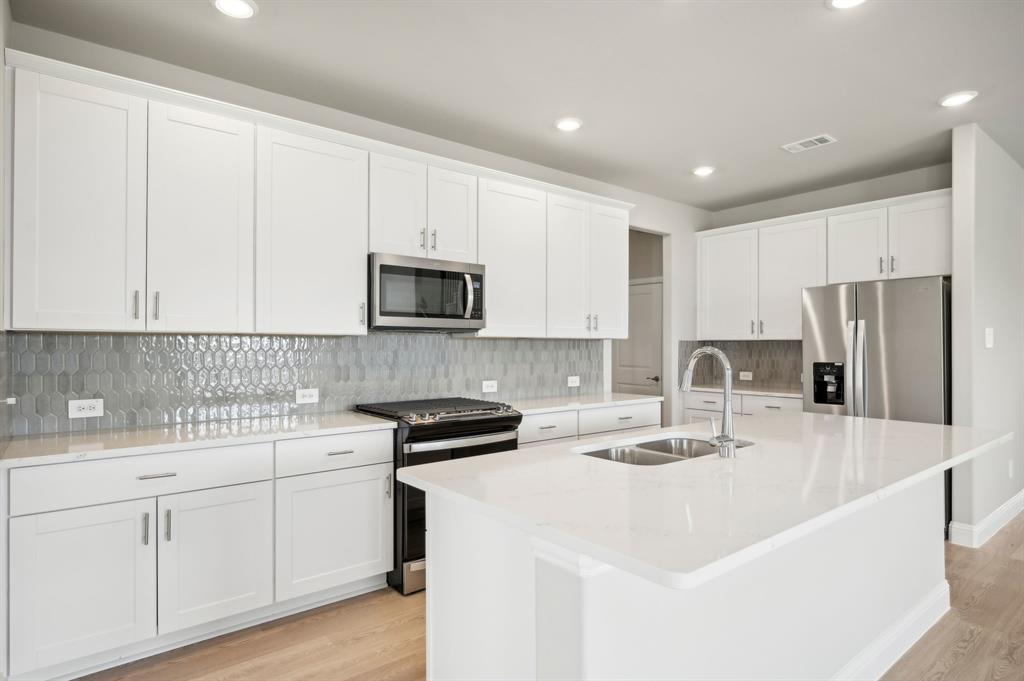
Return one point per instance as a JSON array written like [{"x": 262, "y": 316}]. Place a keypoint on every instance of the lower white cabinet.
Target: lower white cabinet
[
  {"x": 216, "y": 553},
  {"x": 82, "y": 581},
  {"x": 333, "y": 528}
]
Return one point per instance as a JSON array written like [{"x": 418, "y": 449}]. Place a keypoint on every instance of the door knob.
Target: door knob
[{"x": 652, "y": 378}]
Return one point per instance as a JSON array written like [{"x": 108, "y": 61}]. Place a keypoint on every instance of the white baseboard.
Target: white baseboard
[
  {"x": 974, "y": 536},
  {"x": 882, "y": 653}
]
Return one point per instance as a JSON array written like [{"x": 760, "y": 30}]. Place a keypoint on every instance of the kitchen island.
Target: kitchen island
[{"x": 816, "y": 553}]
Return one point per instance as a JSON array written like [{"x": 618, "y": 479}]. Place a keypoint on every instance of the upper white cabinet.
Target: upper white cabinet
[
  {"x": 451, "y": 215},
  {"x": 920, "y": 238},
  {"x": 398, "y": 206},
  {"x": 791, "y": 257},
  {"x": 311, "y": 235},
  {"x": 858, "y": 246},
  {"x": 79, "y": 207},
  {"x": 727, "y": 267},
  {"x": 568, "y": 265},
  {"x": 608, "y": 247},
  {"x": 512, "y": 246},
  {"x": 200, "y": 250}
]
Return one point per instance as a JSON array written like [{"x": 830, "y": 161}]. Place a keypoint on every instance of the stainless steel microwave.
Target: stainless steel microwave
[{"x": 424, "y": 294}]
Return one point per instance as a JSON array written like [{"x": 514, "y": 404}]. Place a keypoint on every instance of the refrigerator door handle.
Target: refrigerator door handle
[
  {"x": 859, "y": 368},
  {"x": 851, "y": 380}
]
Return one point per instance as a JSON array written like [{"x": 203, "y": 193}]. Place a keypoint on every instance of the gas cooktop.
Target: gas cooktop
[{"x": 447, "y": 409}]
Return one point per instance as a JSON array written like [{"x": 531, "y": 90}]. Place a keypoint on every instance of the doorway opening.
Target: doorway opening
[{"x": 637, "y": 362}]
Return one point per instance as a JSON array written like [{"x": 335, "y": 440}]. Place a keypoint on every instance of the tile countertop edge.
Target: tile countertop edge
[
  {"x": 547, "y": 405},
  {"x": 715, "y": 568},
  {"x": 162, "y": 440}
]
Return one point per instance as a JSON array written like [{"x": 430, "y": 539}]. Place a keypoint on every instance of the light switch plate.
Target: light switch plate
[
  {"x": 83, "y": 409},
  {"x": 574, "y": 382},
  {"x": 990, "y": 337},
  {"x": 489, "y": 387},
  {"x": 746, "y": 375},
  {"x": 307, "y": 395}
]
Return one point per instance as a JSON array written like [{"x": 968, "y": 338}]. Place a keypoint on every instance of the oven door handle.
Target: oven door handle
[
  {"x": 459, "y": 442},
  {"x": 470, "y": 296}
]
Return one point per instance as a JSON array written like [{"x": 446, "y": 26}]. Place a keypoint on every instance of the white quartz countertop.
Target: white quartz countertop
[
  {"x": 683, "y": 523},
  {"x": 36, "y": 450},
  {"x": 763, "y": 392},
  {"x": 545, "y": 405}
]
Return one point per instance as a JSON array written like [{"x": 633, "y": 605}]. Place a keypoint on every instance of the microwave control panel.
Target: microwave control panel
[
  {"x": 478, "y": 297},
  {"x": 829, "y": 379}
]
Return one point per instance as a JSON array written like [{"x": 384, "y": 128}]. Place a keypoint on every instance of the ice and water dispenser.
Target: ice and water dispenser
[{"x": 828, "y": 382}]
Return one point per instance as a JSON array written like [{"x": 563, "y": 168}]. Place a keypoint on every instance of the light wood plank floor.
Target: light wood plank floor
[{"x": 380, "y": 636}]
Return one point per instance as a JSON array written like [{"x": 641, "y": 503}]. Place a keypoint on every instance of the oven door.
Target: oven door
[{"x": 421, "y": 293}]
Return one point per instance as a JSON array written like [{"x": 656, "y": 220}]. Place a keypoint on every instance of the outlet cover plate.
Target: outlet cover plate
[
  {"x": 573, "y": 382},
  {"x": 83, "y": 409},
  {"x": 489, "y": 387},
  {"x": 746, "y": 375},
  {"x": 307, "y": 395}
]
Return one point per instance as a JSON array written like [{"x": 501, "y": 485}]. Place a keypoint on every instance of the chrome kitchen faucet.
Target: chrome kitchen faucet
[{"x": 727, "y": 440}]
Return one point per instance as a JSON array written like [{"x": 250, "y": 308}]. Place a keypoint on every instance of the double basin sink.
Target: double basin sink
[{"x": 657, "y": 452}]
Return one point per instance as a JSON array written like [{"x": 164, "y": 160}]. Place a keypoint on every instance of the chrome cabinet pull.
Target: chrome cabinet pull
[
  {"x": 423, "y": 238},
  {"x": 156, "y": 306},
  {"x": 762, "y": 326},
  {"x": 772, "y": 406},
  {"x": 588, "y": 322},
  {"x": 145, "y": 529},
  {"x": 387, "y": 485},
  {"x": 595, "y": 322},
  {"x": 751, "y": 327},
  {"x": 341, "y": 451},
  {"x": 167, "y": 525},
  {"x": 433, "y": 240},
  {"x": 625, "y": 418},
  {"x": 362, "y": 314},
  {"x": 892, "y": 263},
  {"x": 135, "y": 304},
  {"x": 154, "y": 476},
  {"x": 546, "y": 427},
  {"x": 709, "y": 402},
  {"x": 881, "y": 265}
]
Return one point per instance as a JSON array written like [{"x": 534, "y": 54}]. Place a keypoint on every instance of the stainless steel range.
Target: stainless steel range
[{"x": 429, "y": 431}]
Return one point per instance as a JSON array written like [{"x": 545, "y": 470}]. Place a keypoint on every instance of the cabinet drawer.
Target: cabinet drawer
[
  {"x": 619, "y": 418},
  {"x": 549, "y": 426},
  {"x": 331, "y": 452},
  {"x": 710, "y": 401},
  {"x": 755, "y": 404},
  {"x": 69, "y": 485},
  {"x": 702, "y": 417}
]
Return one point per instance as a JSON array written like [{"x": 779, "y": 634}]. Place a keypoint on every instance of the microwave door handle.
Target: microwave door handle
[{"x": 470, "y": 296}]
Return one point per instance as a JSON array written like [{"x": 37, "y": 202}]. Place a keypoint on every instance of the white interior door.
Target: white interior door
[
  {"x": 216, "y": 555},
  {"x": 398, "y": 206},
  {"x": 200, "y": 250},
  {"x": 608, "y": 244},
  {"x": 920, "y": 238},
  {"x": 858, "y": 247},
  {"x": 79, "y": 208},
  {"x": 727, "y": 286},
  {"x": 82, "y": 581},
  {"x": 311, "y": 235},
  {"x": 451, "y": 215},
  {"x": 568, "y": 268},
  {"x": 333, "y": 528},
  {"x": 636, "y": 361},
  {"x": 791, "y": 257},
  {"x": 513, "y": 245}
]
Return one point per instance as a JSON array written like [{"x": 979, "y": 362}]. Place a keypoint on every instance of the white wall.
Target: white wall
[
  {"x": 888, "y": 186},
  {"x": 988, "y": 224},
  {"x": 676, "y": 220}
]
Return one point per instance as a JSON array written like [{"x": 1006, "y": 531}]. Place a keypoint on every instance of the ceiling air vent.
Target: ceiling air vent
[{"x": 809, "y": 143}]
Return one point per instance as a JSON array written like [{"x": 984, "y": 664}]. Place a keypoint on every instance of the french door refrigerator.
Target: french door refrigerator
[{"x": 879, "y": 349}]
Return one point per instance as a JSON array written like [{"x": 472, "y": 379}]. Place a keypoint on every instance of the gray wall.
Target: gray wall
[
  {"x": 151, "y": 379},
  {"x": 988, "y": 221},
  {"x": 645, "y": 260},
  {"x": 910, "y": 182}
]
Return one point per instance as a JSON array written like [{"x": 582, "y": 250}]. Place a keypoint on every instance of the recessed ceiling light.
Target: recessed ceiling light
[
  {"x": 959, "y": 98},
  {"x": 568, "y": 124},
  {"x": 236, "y": 9},
  {"x": 703, "y": 171},
  {"x": 843, "y": 4}
]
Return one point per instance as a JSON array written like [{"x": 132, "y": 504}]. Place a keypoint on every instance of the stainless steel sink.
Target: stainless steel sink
[{"x": 657, "y": 452}]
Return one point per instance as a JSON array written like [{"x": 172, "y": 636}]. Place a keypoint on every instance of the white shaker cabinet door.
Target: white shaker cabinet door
[
  {"x": 82, "y": 581},
  {"x": 608, "y": 244},
  {"x": 920, "y": 238},
  {"x": 727, "y": 286},
  {"x": 216, "y": 553},
  {"x": 333, "y": 528},
  {"x": 79, "y": 213},
  {"x": 791, "y": 257},
  {"x": 513, "y": 245},
  {"x": 398, "y": 206},
  {"x": 311, "y": 235},
  {"x": 200, "y": 250},
  {"x": 451, "y": 215},
  {"x": 568, "y": 266},
  {"x": 858, "y": 246}
]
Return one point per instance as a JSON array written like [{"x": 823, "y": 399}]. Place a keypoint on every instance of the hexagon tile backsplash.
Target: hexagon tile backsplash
[{"x": 151, "y": 379}]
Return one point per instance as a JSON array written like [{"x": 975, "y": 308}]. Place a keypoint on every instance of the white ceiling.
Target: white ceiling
[{"x": 661, "y": 86}]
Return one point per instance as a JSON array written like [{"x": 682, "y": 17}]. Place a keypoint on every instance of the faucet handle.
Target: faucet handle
[{"x": 714, "y": 433}]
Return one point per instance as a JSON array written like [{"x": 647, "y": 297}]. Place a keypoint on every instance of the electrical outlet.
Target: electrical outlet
[
  {"x": 489, "y": 387},
  {"x": 82, "y": 409},
  {"x": 574, "y": 382},
  {"x": 307, "y": 395},
  {"x": 746, "y": 375}
]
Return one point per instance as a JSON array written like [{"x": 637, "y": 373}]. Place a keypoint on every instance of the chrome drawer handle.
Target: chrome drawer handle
[
  {"x": 547, "y": 427},
  {"x": 708, "y": 401},
  {"x": 145, "y": 529},
  {"x": 342, "y": 451},
  {"x": 154, "y": 476},
  {"x": 167, "y": 525},
  {"x": 771, "y": 406},
  {"x": 625, "y": 418},
  {"x": 387, "y": 486}
]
